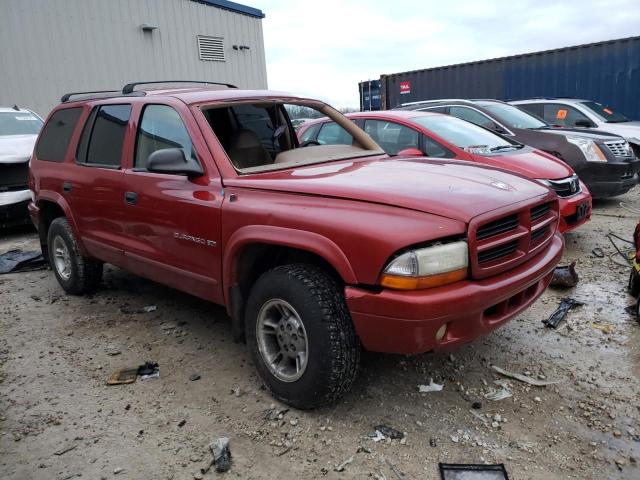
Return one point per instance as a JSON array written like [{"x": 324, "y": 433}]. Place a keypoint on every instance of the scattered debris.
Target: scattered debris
[
  {"x": 66, "y": 449},
  {"x": 479, "y": 417},
  {"x": 194, "y": 376},
  {"x": 556, "y": 317},
  {"x": 341, "y": 467},
  {"x": 565, "y": 276},
  {"x": 431, "y": 387},
  {"x": 182, "y": 423},
  {"x": 149, "y": 309},
  {"x": 389, "y": 432},
  {"x": 597, "y": 252},
  {"x": 496, "y": 395},
  {"x": 395, "y": 471},
  {"x": 149, "y": 370},
  {"x": 123, "y": 376},
  {"x": 376, "y": 436},
  {"x": 449, "y": 471},
  {"x": 433, "y": 442},
  {"x": 476, "y": 405},
  {"x": 118, "y": 470},
  {"x": 604, "y": 327},
  {"x": 524, "y": 378},
  {"x": 16, "y": 260},
  {"x": 112, "y": 352},
  {"x": 221, "y": 454}
]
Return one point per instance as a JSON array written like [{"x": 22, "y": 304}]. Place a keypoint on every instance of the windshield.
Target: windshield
[
  {"x": 605, "y": 113},
  {"x": 19, "y": 123},
  {"x": 514, "y": 117},
  {"x": 259, "y": 136},
  {"x": 462, "y": 133}
]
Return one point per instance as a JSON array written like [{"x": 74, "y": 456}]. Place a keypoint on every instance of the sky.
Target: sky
[{"x": 323, "y": 49}]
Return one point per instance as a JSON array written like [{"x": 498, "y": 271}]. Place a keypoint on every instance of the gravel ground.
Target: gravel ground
[{"x": 56, "y": 352}]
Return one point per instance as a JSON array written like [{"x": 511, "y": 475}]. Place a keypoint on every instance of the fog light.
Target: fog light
[{"x": 441, "y": 332}]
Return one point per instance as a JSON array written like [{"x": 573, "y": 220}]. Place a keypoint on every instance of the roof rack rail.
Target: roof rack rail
[
  {"x": 128, "y": 88},
  {"x": 67, "y": 96}
]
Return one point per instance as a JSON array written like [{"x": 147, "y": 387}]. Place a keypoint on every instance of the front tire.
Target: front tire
[
  {"x": 301, "y": 337},
  {"x": 76, "y": 274}
]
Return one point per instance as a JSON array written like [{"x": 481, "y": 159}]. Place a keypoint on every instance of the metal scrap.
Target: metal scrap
[
  {"x": 556, "y": 317},
  {"x": 524, "y": 378},
  {"x": 565, "y": 276}
]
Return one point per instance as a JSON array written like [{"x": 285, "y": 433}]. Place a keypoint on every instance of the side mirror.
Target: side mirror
[
  {"x": 583, "y": 122},
  {"x": 172, "y": 160},
  {"x": 410, "y": 152}
]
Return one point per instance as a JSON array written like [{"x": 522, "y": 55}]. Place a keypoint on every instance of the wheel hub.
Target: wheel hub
[
  {"x": 282, "y": 340},
  {"x": 61, "y": 258}
]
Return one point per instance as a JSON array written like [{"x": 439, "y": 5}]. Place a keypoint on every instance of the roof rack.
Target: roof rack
[
  {"x": 128, "y": 88},
  {"x": 67, "y": 96}
]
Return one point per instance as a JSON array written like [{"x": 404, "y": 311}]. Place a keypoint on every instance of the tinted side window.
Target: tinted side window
[
  {"x": 433, "y": 109},
  {"x": 391, "y": 136},
  {"x": 434, "y": 149},
  {"x": 161, "y": 127},
  {"x": 471, "y": 115},
  {"x": 563, "y": 115},
  {"x": 103, "y": 136},
  {"x": 333, "y": 134},
  {"x": 534, "y": 108},
  {"x": 56, "y": 134},
  {"x": 310, "y": 133}
]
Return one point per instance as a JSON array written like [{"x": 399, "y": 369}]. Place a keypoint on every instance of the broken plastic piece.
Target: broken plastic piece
[
  {"x": 523, "y": 378},
  {"x": 565, "y": 276},
  {"x": 123, "y": 376},
  {"x": 149, "y": 370},
  {"x": 341, "y": 467},
  {"x": 221, "y": 454},
  {"x": 597, "y": 252},
  {"x": 556, "y": 317},
  {"x": 431, "y": 387},
  {"x": 497, "y": 395},
  {"x": 604, "y": 327},
  {"x": 473, "y": 472},
  {"x": 389, "y": 432}
]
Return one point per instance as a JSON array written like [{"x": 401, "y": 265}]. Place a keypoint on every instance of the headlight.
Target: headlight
[
  {"x": 589, "y": 148},
  {"x": 427, "y": 267}
]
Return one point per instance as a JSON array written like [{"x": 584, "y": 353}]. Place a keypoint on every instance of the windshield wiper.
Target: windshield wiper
[{"x": 505, "y": 147}]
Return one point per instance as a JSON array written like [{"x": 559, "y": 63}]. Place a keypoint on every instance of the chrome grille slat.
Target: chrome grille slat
[
  {"x": 619, "y": 148},
  {"x": 497, "y": 227}
]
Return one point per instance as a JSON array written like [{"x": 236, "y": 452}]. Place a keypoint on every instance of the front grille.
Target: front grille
[
  {"x": 566, "y": 187},
  {"x": 619, "y": 148},
  {"x": 539, "y": 211},
  {"x": 497, "y": 244},
  {"x": 498, "y": 252},
  {"x": 538, "y": 234},
  {"x": 501, "y": 225},
  {"x": 14, "y": 176}
]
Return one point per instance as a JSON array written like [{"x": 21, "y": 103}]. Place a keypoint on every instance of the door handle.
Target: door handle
[
  {"x": 131, "y": 198},
  {"x": 67, "y": 187}
]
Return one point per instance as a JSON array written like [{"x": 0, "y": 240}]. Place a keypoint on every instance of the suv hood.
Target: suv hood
[
  {"x": 596, "y": 135},
  {"x": 626, "y": 129},
  {"x": 449, "y": 188},
  {"x": 16, "y": 148}
]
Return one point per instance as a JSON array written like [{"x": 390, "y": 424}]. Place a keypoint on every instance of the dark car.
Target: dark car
[{"x": 605, "y": 162}]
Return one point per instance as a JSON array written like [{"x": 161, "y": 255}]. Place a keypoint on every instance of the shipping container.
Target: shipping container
[
  {"x": 607, "y": 72},
  {"x": 369, "y": 95}
]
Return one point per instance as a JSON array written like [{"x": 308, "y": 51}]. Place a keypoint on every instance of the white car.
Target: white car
[
  {"x": 571, "y": 112},
  {"x": 18, "y": 132}
]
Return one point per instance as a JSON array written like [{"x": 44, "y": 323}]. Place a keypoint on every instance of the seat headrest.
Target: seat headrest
[{"x": 244, "y": 138}]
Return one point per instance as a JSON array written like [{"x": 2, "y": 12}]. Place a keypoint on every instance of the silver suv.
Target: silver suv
[
  {"x": 572, "y": 112},
  {"x": 18, "y": 132}
]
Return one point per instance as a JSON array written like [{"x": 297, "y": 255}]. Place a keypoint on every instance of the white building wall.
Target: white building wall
[{"x": 50, "y": 47}]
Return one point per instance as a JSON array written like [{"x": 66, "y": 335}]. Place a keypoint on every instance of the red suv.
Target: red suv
[
  {"x": 442, "y": 136},
  {"x": 314, "y": 250}
]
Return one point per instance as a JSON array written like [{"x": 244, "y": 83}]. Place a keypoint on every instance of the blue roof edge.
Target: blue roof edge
[{"x": 234, "y": 7}]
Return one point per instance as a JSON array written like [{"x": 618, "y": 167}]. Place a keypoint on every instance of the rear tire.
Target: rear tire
[
  {"x": 301, "y": 337},
  {"x": 76, "y": 274},
  {"x": 634, "y": 282}
]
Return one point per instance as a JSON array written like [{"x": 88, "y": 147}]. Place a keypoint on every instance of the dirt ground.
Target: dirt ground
[{"x": 56, "y": 352}]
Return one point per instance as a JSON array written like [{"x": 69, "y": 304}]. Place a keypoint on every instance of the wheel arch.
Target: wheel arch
[
  {"x": 52, "y": 205},
  {"x": 252, "y": 250}
]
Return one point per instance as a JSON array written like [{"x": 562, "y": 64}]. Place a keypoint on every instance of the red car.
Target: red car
[
  {"x": 316, "y": 251},
  {"x": 442, "y": 136}
]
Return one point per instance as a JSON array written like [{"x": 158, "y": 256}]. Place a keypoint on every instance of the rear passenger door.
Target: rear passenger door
[
  {"x": 94, "y": 187},
  {"x": 172, "y": 221},
  {"x": 565, "y": 116}
]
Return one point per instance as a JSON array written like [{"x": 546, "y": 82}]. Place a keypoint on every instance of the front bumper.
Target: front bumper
[
  {"x": 406, "y": 322},
  {"x": 574, "y": 211},
  {"x": 611, "y": 178},
  {"x": 13, "y": 208}
]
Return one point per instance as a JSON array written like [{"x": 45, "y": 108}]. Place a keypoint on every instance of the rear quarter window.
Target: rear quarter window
[{"x": 55, "y": 137}]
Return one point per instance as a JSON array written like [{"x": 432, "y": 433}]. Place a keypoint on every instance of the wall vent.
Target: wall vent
[{"x": 211, "y": 48}]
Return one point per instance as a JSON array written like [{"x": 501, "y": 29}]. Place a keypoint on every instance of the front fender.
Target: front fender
[{"x": 286, "y": 237}]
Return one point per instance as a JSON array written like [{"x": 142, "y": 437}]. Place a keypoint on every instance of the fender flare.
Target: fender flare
[
  {"x": 286, "y": 237},
  {"x": 54, "y": 197}
]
